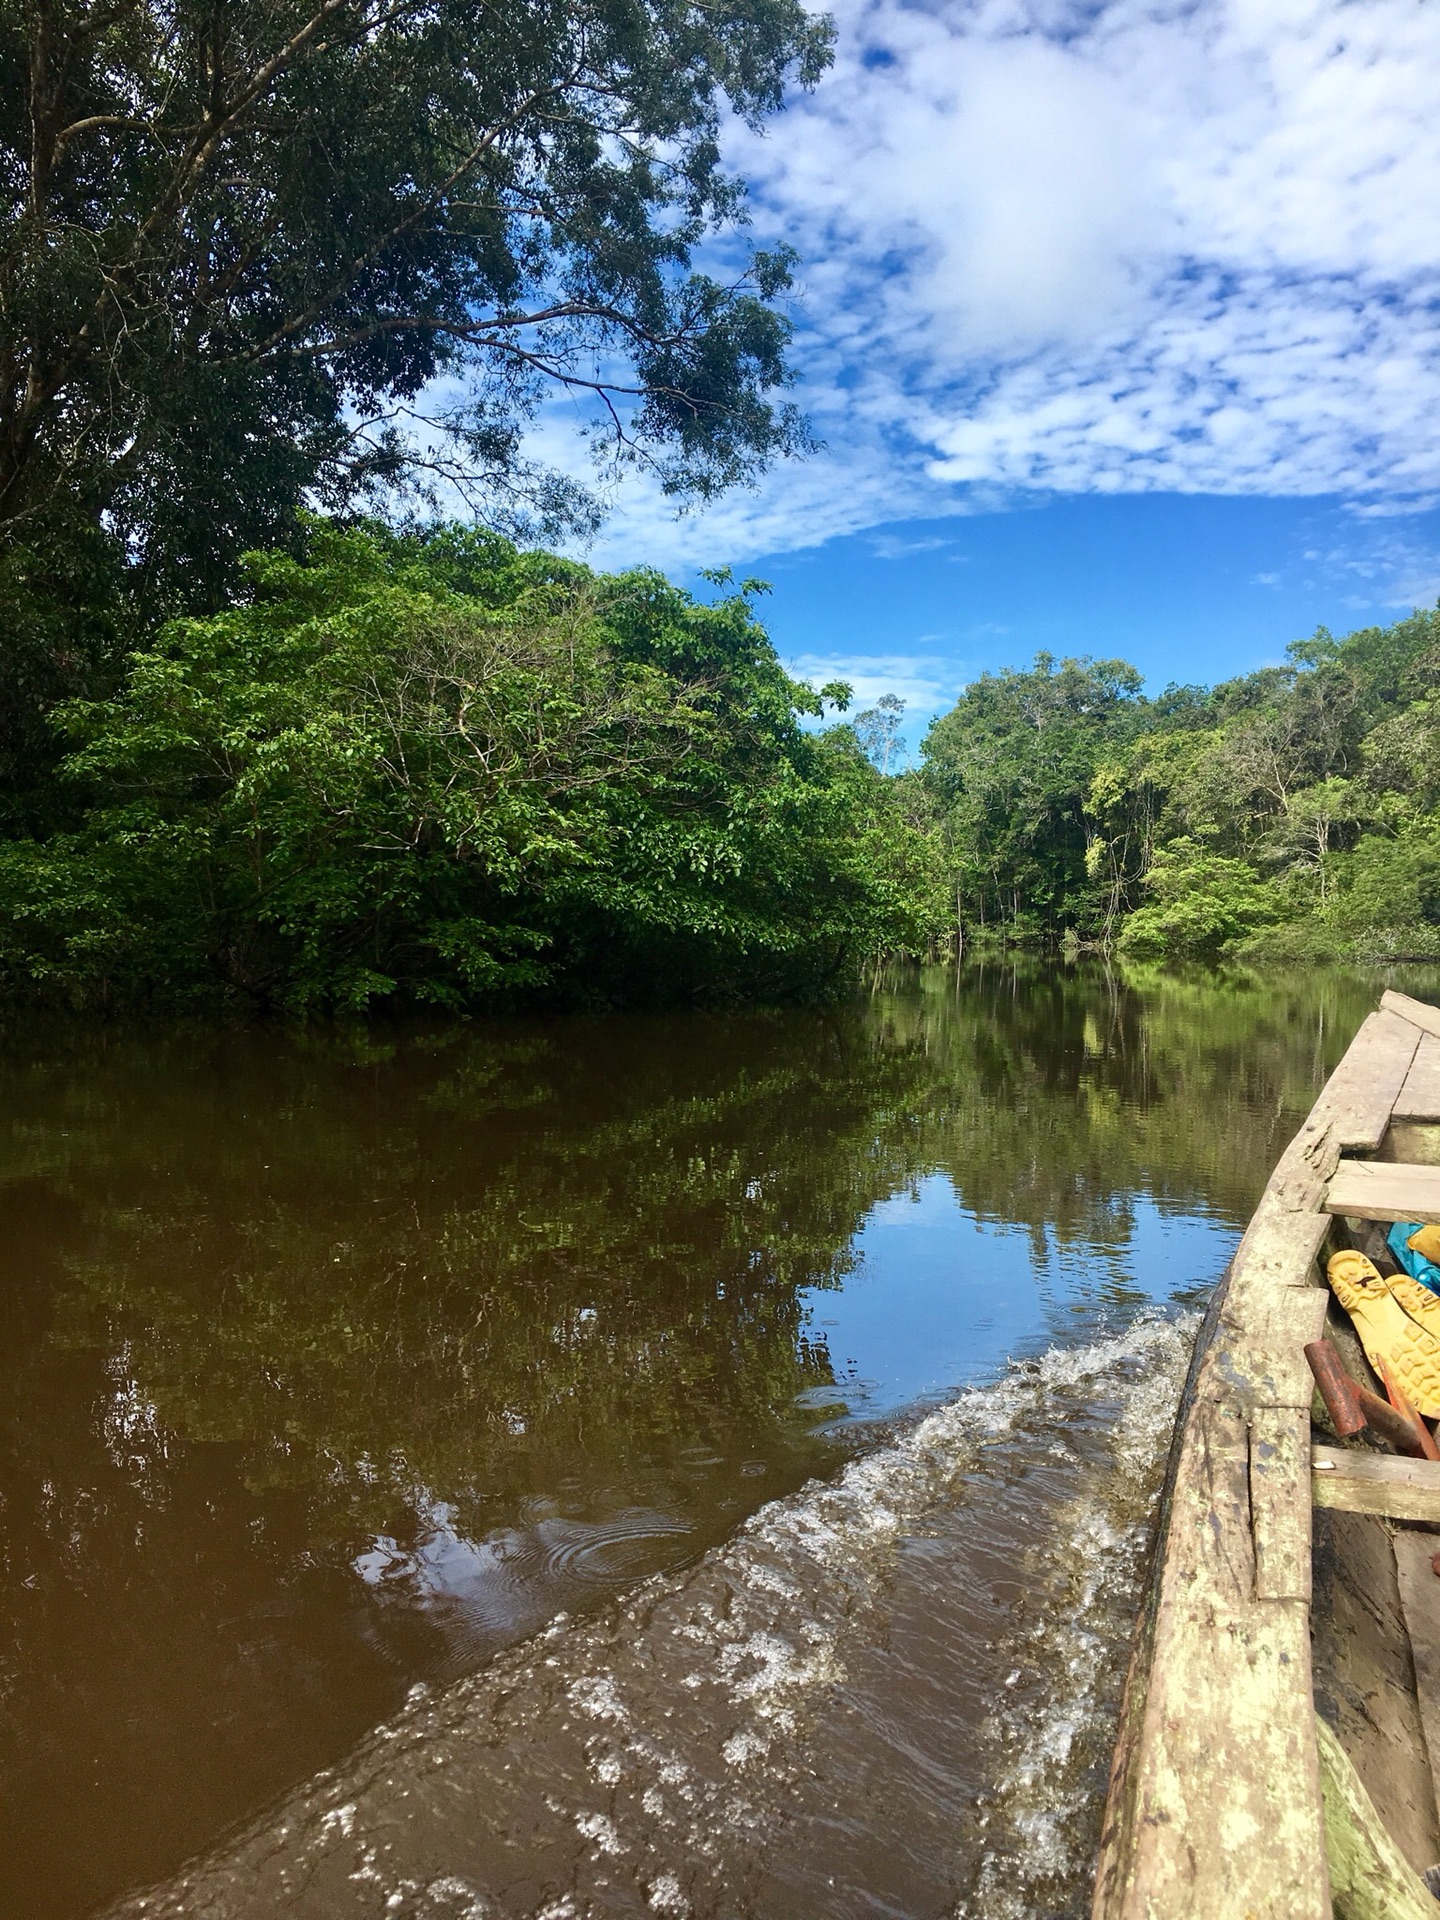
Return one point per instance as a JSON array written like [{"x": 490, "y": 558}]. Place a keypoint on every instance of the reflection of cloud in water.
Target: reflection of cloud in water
[
  {"x": 940, "y": 1297},
  {"x": 807, "y": 1721}
]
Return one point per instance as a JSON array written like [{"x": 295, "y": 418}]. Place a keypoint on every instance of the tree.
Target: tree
[
  {"x": 1305, "y": 835},
  {"x": 1200, "y": 903},
  {"x": 878, "y": 729},
  {"x": 430, "y": 768},
  {"x": 1010, "y": 768},
  {"x": 276, "y": 250}
]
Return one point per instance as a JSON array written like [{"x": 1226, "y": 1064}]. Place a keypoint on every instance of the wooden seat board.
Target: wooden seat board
[
  {"x": 1384, "y": 1190},
  {"x": 1419, "y": 1098},
  {"x": 1359, "y": 1481}
]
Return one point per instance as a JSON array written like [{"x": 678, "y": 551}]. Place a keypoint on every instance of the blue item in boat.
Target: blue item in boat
[{"x": 1415, "y": 1264}]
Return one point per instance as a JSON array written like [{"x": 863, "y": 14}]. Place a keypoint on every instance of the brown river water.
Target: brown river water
[{"x": 692, "y": 1464}]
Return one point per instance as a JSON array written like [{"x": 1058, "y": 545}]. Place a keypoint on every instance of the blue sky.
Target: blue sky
[
  {"x": 1120, "y": 323},
  {"x": 1185, "y": 587}
]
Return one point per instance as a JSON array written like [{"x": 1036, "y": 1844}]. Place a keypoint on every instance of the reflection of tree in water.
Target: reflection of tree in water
[
  {"x": 274, "y": 1296},
  {"x": 472, "y": 1261},
  {"x": 1059, "y": 1094},
  {"x": 478, "y": 1264}
]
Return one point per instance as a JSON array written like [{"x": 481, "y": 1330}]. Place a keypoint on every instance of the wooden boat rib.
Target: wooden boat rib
[{"x": 1290, "y": 1575}]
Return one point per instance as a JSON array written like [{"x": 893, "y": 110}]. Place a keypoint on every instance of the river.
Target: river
[{"x": 694, "y": 1464}]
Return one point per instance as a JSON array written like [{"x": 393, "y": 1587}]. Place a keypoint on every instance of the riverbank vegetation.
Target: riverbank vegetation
[
  {"x": 432, "y": 768},
  {"x": 429, "y": 768},
  {"x": 1293, "y": 812}
]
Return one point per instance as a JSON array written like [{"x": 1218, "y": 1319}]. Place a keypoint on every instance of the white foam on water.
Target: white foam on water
[
  {"x": 648, "y": 1760},
  {"x": 1051, "y": 1739}
]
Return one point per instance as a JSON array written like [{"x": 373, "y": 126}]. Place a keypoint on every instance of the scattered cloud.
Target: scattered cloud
[
  {"x": 1397, "y": 571},
  {"x": 1068, "y": 246},
  {"x": 899, "y": 546},
  {"x": 927, "y": 683},
  {"x": 1363, "y": 565}
]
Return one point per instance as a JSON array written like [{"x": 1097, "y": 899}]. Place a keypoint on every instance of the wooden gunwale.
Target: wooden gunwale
[{"x": 1214, "y": 1809}]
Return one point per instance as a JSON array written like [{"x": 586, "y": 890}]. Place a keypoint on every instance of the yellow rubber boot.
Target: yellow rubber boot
[
  {"x": 1398, "y": 1321},
  {"x": 1426, "y": 1241}
]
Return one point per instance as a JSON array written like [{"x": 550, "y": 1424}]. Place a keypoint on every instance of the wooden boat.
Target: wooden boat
[{"x": 1279, "y": 1744}]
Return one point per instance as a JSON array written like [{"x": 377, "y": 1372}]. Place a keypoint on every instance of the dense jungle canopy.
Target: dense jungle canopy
[
  {"x": 278, "y": 283},
  {"x": 431, "y": 767},
  {"x": 1292, "y": 811}
]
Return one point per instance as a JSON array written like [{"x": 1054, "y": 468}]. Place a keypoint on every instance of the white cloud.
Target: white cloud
[
  {"x": 927, "y": 683},
  {"x": 900, "y": 546},
  {"x": 1125, "y": 247},
  {"x": 1397, "y": 571}
]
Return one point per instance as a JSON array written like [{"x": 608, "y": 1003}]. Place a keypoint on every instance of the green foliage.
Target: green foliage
[
  {"x": 316, "y": 249},
  {"x": 59, "y": 637},
  {"x": 1200, "y": 903},
  {"x": 433, "y": 768},
  {"x": 1010, "y": 767},
  {"x": 1295, "y": 810}
]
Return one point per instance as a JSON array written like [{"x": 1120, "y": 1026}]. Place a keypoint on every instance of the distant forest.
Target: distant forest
[
  {"x": 1294, "y": 812},
  {"x": 430, "y": 768}
]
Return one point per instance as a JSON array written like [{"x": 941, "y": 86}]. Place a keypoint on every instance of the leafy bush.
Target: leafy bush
[
  {"x": 431, "y": 768},
  {"x": 1201, "y": 903},
  {"x": 1386, "y": 882}
]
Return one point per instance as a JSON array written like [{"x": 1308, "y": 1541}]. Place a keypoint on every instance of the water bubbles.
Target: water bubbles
[
  {"x": 821, "y": 1702},
  {"x": 600, "y": 1828},
  {"x": 665, "y": 1895}
]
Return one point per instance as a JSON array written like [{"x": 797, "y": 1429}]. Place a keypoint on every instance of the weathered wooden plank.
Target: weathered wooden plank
[
  {"x": 1385, "y": 1483},
  {"x": 1278, "y": 1250},
  {"x": 1365, "y": 1677},
  {"x": 1419, "y": 1098},
  {"x": 1420, "y": 1600},
  {"x": 1279, "y": 1506},
  {"x": 1369, "y": 1875},
  {"x": 1220, "y": 1813},
  {"x": 1384, "y": 1190},
  {"x": 1259, "y": 1351},
  {"x": 1211, "y": 1552},
  {"x": 1418, "y": 1012},
  {"x": 1352, "y": 1112},
  {"x": 1360, "y": 1094},
  {"x": 1227, "y": 1783}
]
